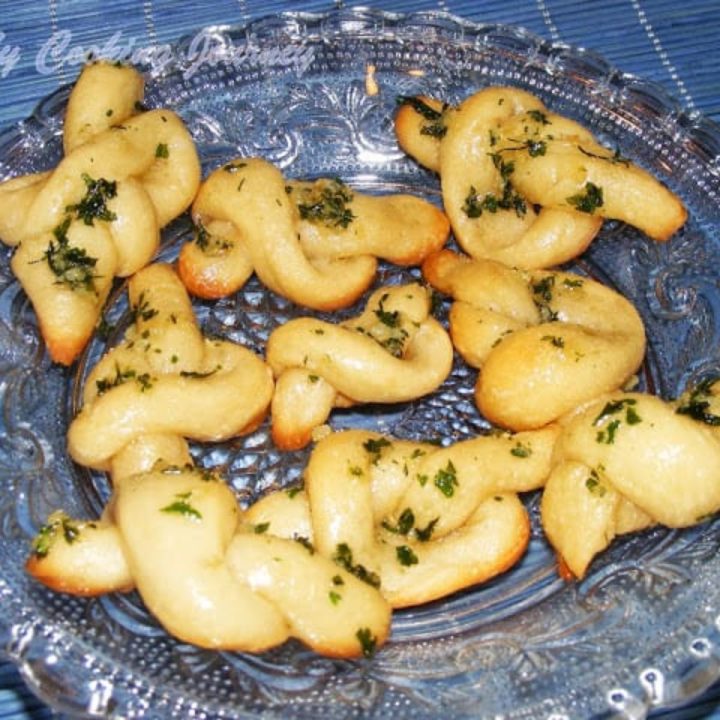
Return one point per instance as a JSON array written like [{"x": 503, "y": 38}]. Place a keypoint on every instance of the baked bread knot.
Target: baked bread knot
[
  {"x": 419, "y": 521},
  {"x": 394, "y": 351},
  {"x": 501, "y": 153},
  {"x": 125, "y": 174},
  {"x": 315, "y": 243},
  {"x": 165, "y": 377},
  {"x": 628, "y": 461},
  {"x": 544, "y": 341},
  {"x": 176, "y": 534}
]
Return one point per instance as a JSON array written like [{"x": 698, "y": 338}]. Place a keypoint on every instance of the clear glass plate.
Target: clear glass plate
[{"x": 641, "y": 631}]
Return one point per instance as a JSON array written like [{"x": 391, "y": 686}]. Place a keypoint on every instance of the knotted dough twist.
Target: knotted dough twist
[
  {"x": 394, "y": 351},
  {"x": 417, "y": 520},
  {"x": 500, "y": 152},
  {"x": 544, "y": 341},
  {"x": 627, "y": 461},
  {"x": 165, "y": 377},
  {"x": 176, "y": 534},
  {"x": 125, "y": 174},
  {"x": 314, "y": 243}
]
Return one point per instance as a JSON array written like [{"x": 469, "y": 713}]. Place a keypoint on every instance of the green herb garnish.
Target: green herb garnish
[
  {"x": 305, "y": 542},
  {"x": 474, "y": 204},
  {"x": 386, "y": 317},
  {"x": 58, "y": 525},
  {"x": 424, "y": 534},
  {"x": 589, "y": 200},
  {"x": 404, "y": 525},
  {"x": 521, "y": 451},
  {"x": 594, "y": 485},
  {"x": 181, "y": 506},
  {"x": 94, "y": 205},
  {"x": 70, "y": 264},
  {"x": 539, "y": 116},
  {"x": 615, "y": 158},
  {"x": 327, "y": 203},
  {"x": 121, "y": 377},
  {"x": 446, "y": 479},
  {"x": 343, "y": 556},
  {"x": 142, "y": 310},
  {"x": 375, "y": 446},
  {"x": 554, "y": 340},
  {"x": 202, "y": 236},
  {"x": 368, "y": 642},
  {"x": 699, "y": 403},
  {"x": 405, "y": 555},
  {"x": 542, "y": 297},
  {"x": 435, "y": 127},
  {"x": 614, "y": 407}
]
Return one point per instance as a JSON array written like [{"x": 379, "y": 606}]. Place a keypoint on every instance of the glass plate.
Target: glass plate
[{"x": 641, "y": 631}]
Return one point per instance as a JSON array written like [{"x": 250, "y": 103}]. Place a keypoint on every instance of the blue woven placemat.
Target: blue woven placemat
[{"x": 42, "y": 45}]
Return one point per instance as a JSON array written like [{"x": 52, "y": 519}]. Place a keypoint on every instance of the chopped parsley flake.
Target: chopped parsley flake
[
  {"x": 594, "y": 485},
  {"x": 121, "y": 377},
  {"x": 71, "y": 265},
  {"x": 607, "y": 436},
  {"x": 554, "y": 340},
  {"x": 424, "y": 534},
  {"x": 615, "y": 158},
  {"x": 199, "y": 375},
  {"x": 542, "y": 297},
  {"x": 613, "y": 408},
  {"x": 386, "y": 317},
  {"x": 142, "y": 310},
  {"x": 374, "y": 446},
  {"x": 58, "y": 525},
  {"x": 93, "y": 206},
  {"x": 181, "y": 506},
  {"x": 539, "y": 117},
  {"x": 404, "y": 525},
  {"x": 446, "y": 479},
  {"x": 343, "y": 556},
  {"x": 699, "y": 403},
  {"x": 474, "y": 205},
  {"x": 305, "y": 543},
  {"x": 535, "y": 148},
  {"x": 368, "y": 642},
  {"x": 405, "y": 555},
  {"x": 521, "y": 451},
  {"x": 327, "y": 203},
  {"x": 202, "y": 236},
  {"x": 589, "y": 200},
  {"x": 209, "y": 243},
  {"x": 435, "y": 127}
]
